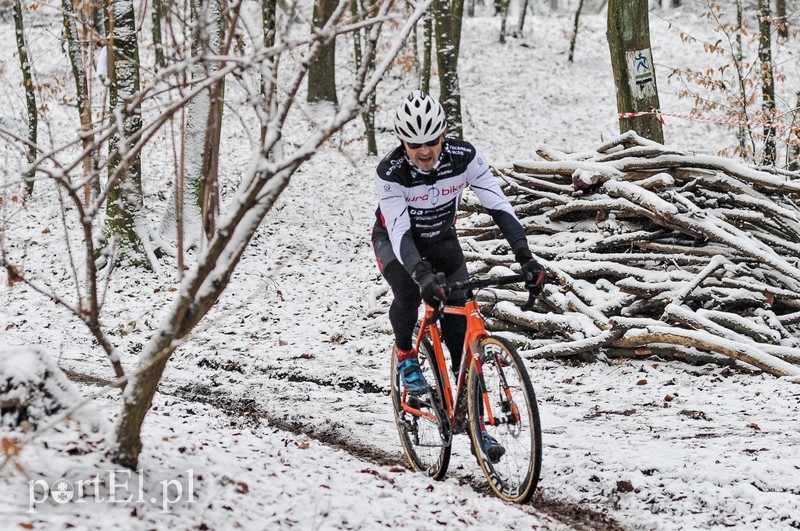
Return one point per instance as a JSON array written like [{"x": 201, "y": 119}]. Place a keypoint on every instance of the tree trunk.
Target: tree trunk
[
  {"x": 191, "y": 212},
  {"x": 158, "y": 43},
  {"x": 212, "y": 41},
  {"x": 523, "y": 10},
  {"x": 427, "y": 52},
  {"x": 782, "y": 21},
  {"x": 99, "y": 19},
  {"x": 447, "y": 17},
  {"x": 368, "y": 115},
  {"x": 575, "y": 31},
  {"x": 503, "y": 11},
  {"x": 124, "y": 203},
  {"x": 634, "y": 73},
  {"x": 75, "y": 52},
  {"x": 744, "y": 130},
  {"x": 269, "y": 71},
  {"x": 767, "y": 80},
  {"x": 30, "y": 92},
  {"x": 322, "y": 74}
]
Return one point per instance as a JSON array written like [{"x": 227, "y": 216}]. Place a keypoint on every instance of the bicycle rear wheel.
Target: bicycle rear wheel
[
  {"x": 501, "y": 401},
  {"x": 426, "y": 438}
]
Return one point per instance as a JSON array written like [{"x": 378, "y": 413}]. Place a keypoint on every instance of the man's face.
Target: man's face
[{"x": 424, "y": 156}]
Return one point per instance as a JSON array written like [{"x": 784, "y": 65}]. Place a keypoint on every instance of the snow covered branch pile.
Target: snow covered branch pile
[{"x": 652, "y": 251}]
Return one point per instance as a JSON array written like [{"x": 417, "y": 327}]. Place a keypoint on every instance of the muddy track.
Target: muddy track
[{"x": 578, "y": 518}]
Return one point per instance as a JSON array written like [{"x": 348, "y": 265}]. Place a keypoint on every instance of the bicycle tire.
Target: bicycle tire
[
  {"x": 426, "y": 443},
  {"x": 515, "y": 476}
]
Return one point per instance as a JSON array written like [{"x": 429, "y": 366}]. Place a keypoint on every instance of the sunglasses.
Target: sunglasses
[{"x": 431, "y": 143}]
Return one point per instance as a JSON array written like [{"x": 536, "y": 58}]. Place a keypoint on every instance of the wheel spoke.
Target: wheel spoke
[
  {"x": 421, "y": 422},
  {"x": 501, "y": 401}
]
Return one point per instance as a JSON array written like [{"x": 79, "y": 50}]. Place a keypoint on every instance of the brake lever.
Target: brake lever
[{"x": 438, "y": 312}]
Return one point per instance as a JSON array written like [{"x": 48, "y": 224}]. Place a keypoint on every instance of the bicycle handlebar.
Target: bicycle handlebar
[{"x": 480, "y": 283}]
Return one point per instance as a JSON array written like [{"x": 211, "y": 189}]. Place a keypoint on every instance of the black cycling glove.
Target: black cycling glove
[
  {"x": 534, "y": 273},
  {"x": 432, "y": 291}
]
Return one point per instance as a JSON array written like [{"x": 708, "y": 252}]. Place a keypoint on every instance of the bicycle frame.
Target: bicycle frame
[
  {"x": 481, "y": 403},
  {"x": 474, "y": 333}
]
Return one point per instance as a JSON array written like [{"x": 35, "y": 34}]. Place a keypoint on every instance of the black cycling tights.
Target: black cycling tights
[{"x": 445, "y": 257}]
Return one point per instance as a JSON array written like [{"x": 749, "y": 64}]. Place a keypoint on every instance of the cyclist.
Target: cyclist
[{"x": 419, "y": 185}]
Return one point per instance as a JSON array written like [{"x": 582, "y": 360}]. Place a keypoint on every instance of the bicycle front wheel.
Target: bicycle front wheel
[
  {"x": 422, "y": 424},
  {"x": 501, "y": 402}
]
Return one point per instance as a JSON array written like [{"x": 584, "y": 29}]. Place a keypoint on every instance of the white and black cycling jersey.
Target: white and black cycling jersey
[{"x": 419, "y": 208}]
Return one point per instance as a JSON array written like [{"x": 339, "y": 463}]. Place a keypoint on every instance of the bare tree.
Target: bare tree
[
  {"x": 157, "y": 13},
  {"x": 502, "y": 8},
  {"x": 322, "y": 74},
  {"x": 523, "y": 10},
  {"x": 165, "y": 97},
  {"x": 448, "y": 15},
  {"x": 575, "y": 31},
  {"x": 767, "y": 80},
  {"x": 427, "y": 50},
  {"x": 75, "y": 51},
  {"x": 257, "y": 193},
  {"x": 781, "y": 20},
  {"x": 368, "y": 116},
  {"x": 124, "y": 221},
  {"x": 30, "y": 90},
  {"x": 195, "y": 197}
]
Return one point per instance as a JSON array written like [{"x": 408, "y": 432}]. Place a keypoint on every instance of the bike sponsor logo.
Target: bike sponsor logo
[
  {"x": 394, "y": 164},
  {"x": 433, "y": 194}
]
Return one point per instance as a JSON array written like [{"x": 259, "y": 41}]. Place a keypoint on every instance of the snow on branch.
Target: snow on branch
[{"x": 652, "y": 250}]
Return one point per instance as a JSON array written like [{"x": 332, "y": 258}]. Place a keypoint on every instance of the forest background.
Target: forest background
[{"x": 204, "y": 145}]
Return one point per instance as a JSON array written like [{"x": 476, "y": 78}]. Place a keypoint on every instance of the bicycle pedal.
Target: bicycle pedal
[{"x": 418, "y": 401}]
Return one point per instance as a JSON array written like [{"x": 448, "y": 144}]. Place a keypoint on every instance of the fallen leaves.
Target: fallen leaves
[
  {"x": 11, "y": 449},
  {"x": 624, "y": 486},
  {"x": 695, "y": 415},
  {"x": 14, "y": 275}
]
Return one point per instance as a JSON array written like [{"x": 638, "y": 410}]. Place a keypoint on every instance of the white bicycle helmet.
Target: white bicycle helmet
[{"x": 419, "y": 118}]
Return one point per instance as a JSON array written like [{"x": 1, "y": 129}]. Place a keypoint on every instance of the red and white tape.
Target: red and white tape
[{"x": 660, "y": 115}]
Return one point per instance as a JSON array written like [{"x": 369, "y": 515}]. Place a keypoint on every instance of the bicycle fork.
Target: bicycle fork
[{"x": 508, "y": 408}]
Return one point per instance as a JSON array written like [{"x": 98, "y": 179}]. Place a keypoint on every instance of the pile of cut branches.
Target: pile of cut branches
[{"x": 651, "y": 251}]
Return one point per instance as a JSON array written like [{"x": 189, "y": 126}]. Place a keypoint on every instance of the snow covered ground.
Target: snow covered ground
[{"x": 302, "y": 434}]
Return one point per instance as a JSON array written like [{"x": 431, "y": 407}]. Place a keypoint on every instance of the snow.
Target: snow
[
  {"x": 33, "y": 389},
  {"x": 295, "y": 354}
]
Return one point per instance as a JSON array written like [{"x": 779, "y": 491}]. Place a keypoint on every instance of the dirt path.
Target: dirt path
[{"x": 575, "y": 517}]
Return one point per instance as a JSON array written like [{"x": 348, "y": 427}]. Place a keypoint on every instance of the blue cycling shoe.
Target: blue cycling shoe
[
  {"x": 413, "y": 380},
  {"x": 494, "y": 450}
]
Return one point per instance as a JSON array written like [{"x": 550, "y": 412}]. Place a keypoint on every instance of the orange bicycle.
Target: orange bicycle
[{"x": 493, "y": 393}]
